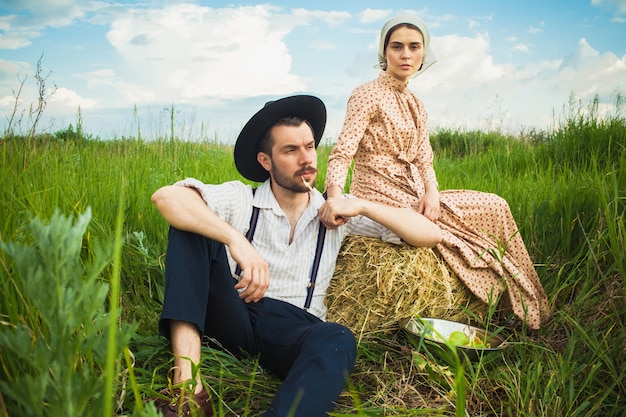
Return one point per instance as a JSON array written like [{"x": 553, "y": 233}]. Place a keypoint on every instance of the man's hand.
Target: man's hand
[
  {"x": 184, "y": 209},
  {"x": 255, "y": 277}
]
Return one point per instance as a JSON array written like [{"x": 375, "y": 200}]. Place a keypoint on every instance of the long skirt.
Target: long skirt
[{"x": 483, "y": 247}]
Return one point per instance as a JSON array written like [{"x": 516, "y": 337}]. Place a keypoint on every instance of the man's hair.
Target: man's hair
[{"x": 267, "y": 141}]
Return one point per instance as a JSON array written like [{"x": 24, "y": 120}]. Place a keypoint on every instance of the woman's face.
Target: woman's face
[{"x": 404, "y": 52}]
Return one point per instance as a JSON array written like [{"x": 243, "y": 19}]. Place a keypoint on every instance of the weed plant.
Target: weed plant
[
  {"x": 566, "y": 189},
  {"x": 58, "y": 338}
]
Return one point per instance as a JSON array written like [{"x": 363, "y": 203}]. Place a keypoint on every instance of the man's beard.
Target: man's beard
[{"x": 295, "y": 183}]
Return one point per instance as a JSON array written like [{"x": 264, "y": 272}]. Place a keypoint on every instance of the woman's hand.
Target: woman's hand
[
  {"x": 429, "y": 204},
  {"x": 334, "y": 191},
  {"x": 330, "y": 219}
]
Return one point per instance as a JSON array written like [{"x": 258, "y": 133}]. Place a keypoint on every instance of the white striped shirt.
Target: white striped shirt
[{"x": 289, "y": 264}]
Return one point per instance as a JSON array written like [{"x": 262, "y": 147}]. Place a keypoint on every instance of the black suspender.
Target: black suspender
[
  {"x": 321, "y": 234},
  {"x": 250, "y": 233}
]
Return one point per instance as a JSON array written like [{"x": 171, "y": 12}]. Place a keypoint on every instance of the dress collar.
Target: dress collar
[{"x": 392, "y": 82}]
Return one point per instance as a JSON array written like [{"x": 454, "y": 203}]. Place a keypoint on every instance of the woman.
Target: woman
[{"x": 385, "y": 133}]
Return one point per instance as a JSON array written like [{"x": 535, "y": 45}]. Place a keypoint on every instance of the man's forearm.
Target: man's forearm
[{"x": 184, "y": 209}]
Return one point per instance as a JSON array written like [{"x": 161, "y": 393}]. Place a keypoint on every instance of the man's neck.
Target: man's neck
[
  {"x": 293, "y": 205},
  {"x": 291, "y": 201}
]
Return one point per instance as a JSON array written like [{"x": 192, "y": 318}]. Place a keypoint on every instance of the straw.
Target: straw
[{"x": 376, "y": 284}]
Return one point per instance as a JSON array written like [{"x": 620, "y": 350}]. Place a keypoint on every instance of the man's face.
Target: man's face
[{"x": 293, "y": 159}]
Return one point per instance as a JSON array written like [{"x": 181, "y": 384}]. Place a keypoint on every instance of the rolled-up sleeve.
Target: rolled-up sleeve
[{"x": 230, "y": 201}]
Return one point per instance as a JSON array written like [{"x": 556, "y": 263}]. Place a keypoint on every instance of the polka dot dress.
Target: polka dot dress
[{"x": 385, "y": 133}]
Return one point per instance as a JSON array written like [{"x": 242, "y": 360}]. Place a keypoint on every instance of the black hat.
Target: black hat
[{"x": 305, "y": 107}]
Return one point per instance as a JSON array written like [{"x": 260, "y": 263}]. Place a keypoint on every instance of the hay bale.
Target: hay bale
[{"x": 376, "y": 284}]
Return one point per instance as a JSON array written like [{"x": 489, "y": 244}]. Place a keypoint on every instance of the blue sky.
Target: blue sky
[{"x": 502, "y": 65}]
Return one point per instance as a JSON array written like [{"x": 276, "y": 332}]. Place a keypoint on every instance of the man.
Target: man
[{"x": 264, "y": 293}]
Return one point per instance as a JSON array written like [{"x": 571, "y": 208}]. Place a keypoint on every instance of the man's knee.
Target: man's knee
[
  {"x": 338, "y": 340},
  {"x": 344, "y": 336}
]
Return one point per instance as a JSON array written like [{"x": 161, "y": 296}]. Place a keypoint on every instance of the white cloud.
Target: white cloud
[
  {"x": 446, "y": 18},
  {"x": 521, "y": 47},
  {"x": 587, "y": 72},
  {"x": 12, "y": 68},
  {"x": 463, "y": 82},
  {"x": 7, "y": 101},
  {"x": 374, "y": 15},
  {"x": 121, "y": 91},
  {"x": 332, "y": 18},
  {"x": 55, "y": 13},
  {"x": 70, "y": 99},
  {"x": 198, "y": 56},
  {"x": 323, "y": 45},
  {"x": 619, "y": 5},
  {"x": 15, "y": 38},
  {"x": 35, "y": 16},
  {"x": 192, "y": 52},
  {"x": 535, "y": 29},
  {"x": 478, "y": 21},
  {"x": 14, "y": 82},
  {"x": 104, "y": 76},
  {"x": 472, "y": 24},
  {"x": 466, "y": 59},
  {"x": 134, "y": 93},
  {"x": 467, "y": 88}
]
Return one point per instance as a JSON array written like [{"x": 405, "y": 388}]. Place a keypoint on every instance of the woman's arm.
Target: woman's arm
[
  {"x": 429, "y": 203},
  {"x": 410, "y": 226},
  {"x": 358, "y": 115}
]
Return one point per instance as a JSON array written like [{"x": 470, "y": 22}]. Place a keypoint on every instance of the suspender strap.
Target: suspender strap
[
  {"x": 321, "y": 234},
  {"x": 250, "y": 233},
  {"x": 253, "y": 220}
]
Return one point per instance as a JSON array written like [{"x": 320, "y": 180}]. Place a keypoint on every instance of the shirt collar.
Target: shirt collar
[{"x": 264, "y": 199}]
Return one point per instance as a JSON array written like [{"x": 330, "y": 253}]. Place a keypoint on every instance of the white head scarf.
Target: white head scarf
[{"x": 429, "y": 57}]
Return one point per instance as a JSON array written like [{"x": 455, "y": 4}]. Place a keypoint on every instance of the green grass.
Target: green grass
[{"x": 567, "y": 191}]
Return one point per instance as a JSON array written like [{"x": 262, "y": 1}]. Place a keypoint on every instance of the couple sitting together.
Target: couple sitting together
[{"x": 249, "y": 266}]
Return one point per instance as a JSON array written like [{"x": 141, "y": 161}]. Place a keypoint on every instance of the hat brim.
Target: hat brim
[{"x": 305, "y": 107}]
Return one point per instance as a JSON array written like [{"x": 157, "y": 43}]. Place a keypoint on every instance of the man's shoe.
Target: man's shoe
[{"x": 179, "y": 405}]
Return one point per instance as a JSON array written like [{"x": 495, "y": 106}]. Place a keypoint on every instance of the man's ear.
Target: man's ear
[{"x": 264, "y": 160}]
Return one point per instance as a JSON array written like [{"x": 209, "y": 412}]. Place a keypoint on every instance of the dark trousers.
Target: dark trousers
[{"x": 312, "y": 357}]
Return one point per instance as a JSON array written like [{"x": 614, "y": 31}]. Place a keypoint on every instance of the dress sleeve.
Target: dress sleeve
[
  {"x": 424, "y": 159},
  {"x": 359, "y": 112}
]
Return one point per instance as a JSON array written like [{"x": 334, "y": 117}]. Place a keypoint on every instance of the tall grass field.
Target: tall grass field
[{"x": 82, "y": 260}]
